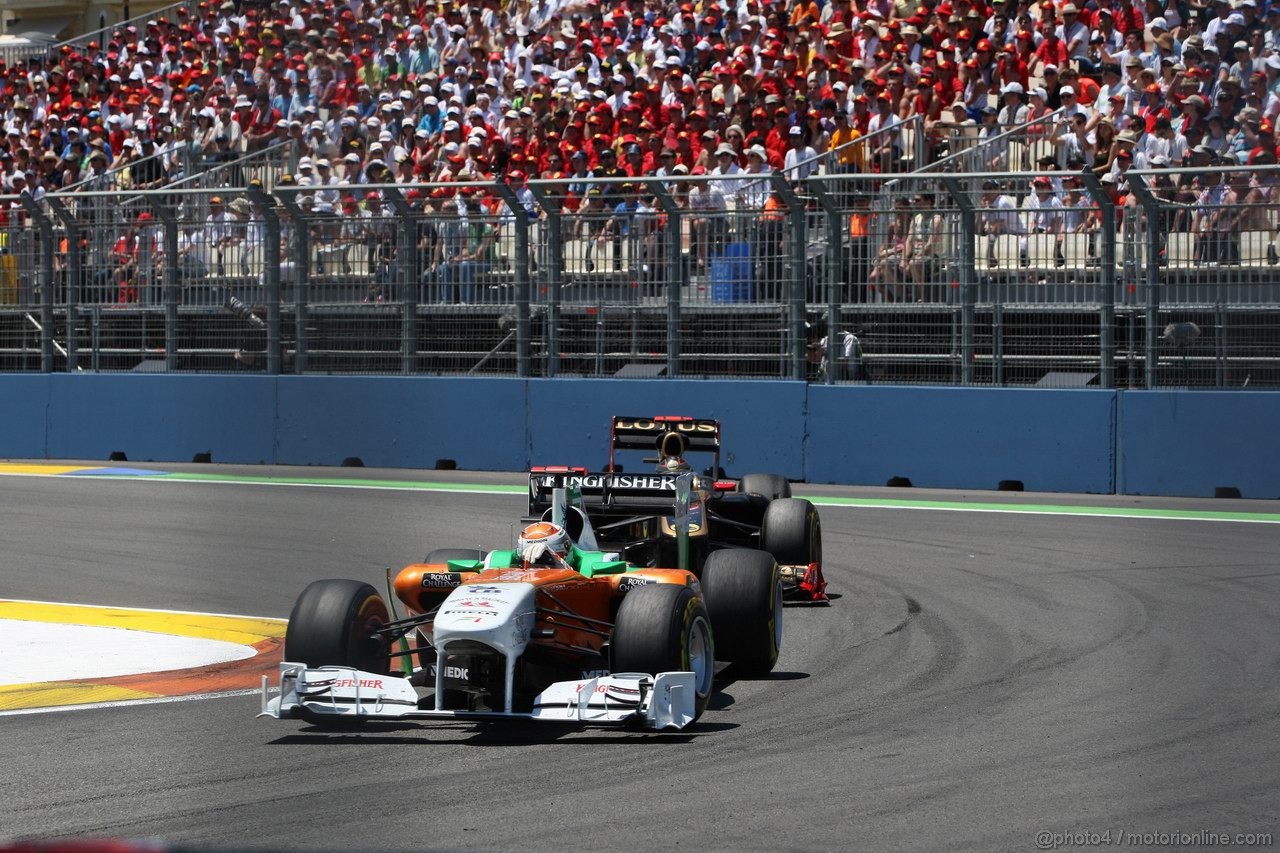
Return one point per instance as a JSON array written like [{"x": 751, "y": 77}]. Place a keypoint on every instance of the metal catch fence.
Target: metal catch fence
[{"x": 1145, "y": 279}]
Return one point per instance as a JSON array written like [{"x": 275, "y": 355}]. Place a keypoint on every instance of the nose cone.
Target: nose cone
[{"x": 499, "y": 615}]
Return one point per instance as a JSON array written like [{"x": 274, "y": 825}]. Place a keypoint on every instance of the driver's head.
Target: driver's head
[
  {"x": 673, "y": 465},
  {"x": 541, "y": 543},
  {"x": 671, "y": 447}
]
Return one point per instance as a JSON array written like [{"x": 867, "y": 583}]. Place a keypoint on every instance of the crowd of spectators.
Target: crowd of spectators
[{"x": 403, "y": 92}]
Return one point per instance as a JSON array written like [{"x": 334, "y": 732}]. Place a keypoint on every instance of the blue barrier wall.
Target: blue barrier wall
[
  {"x": 25, "y": 418},
  {"x": 961, "y": 438},
  {"x": 163, "y": 417},
  {"x": 403, "y": 421},
  {"x": 1190, "y": 442},
  {"x": 1135, "y": 442}
]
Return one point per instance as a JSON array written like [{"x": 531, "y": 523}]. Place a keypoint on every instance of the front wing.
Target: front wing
[
  {"x": 660, "y": 702},
  {"x": 804, "y": 583}
]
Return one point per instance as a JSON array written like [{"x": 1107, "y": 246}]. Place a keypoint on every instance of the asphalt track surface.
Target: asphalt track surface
[{"x": 981, "y": 678}]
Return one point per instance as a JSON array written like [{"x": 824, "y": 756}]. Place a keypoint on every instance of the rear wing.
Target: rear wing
[
  {"x": 670, "y": 495},
  {"x": 699, "y": 435},
  {"x": 653, "y": 492}
]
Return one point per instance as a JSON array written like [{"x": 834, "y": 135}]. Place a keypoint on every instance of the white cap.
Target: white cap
[
  {"x": 304, "y": 163},
  {"x": 1066, "y": 90},
  {"x": 1013, "y": 89}
]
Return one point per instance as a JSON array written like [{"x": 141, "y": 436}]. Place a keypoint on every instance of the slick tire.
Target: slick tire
[
  {"x": 333, "y": 624},
  {"x": 444, "y": 555},
  {"x": 792, "y": 532},
  {"x": 771, "y": 486},
  {"x": 743, "y": 590},
  {"x": 665, "y": 628}
]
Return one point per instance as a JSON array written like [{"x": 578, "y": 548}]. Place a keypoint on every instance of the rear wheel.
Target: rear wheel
[
  {"x": 792, "y": 532},
  {"x": 665, "y": 628},
  {"x": 744, "y": 597},
  {"x": 772, "y": 486},
  {"x": 444, "y": 555}
]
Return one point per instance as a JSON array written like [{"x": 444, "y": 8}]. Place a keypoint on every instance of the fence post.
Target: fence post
[
  {"x": 410, "y": 275},
  {"x": 795, "y": 294},
  {"x": 552, "y": 273},
  {"x": 1151, "y": 208},
  {"x": 678, "y": 277},
  {"x": 835, "y": 263},
  {"x": 75, "y": 272},
  {"x": 1107, "y": 298},
  {"x": 522, "y": 291},
  {"x": 46, "y": 280},
  {"x": 968, "y": 297},
  {"x": 271, "y": 275},
  {"x": 170, "y": 296},
  {"x": 302, "y": 275}
]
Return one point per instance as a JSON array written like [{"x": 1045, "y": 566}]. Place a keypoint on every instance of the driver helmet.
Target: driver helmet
[
  {"x": 673, "y": 465},
  {"x": 542, "y": 543}
]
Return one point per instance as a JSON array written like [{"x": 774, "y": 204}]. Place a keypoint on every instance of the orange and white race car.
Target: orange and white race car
[{"x": 555, "y": 629}]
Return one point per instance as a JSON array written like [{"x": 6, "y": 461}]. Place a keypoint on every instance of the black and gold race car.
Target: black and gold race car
[{"x": 635, "y": 513}]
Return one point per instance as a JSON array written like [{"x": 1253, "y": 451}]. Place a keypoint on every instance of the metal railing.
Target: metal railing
[
  {"x": 859, "y": 155},
  {"x": 1015, "y": 149},
  {"x": 102, "y": 35},
  {"x": 165, "y": 166},
  {"x": 968, "y": 279}
]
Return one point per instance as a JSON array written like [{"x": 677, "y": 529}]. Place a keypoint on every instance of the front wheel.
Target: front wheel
[
  {"x": 335, "y": 623},
  {"x": 665, "y": 628},
  {"x": 792, "y": 532},
  {"x": 771, "y": 486},
  {"x": 743, "y": 589}
]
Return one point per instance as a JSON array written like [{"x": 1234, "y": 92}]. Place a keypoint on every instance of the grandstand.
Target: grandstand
[{"x": 1016, "y": 194}]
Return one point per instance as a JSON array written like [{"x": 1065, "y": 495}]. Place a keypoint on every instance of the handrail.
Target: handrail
[
  {"x": 240, "y": 162},
  {"x": 900, "y": 126},
  {"x": 941, "y": 163},
  {"x": 100, "y": 35},
  {"x": 111, "y": 174}
]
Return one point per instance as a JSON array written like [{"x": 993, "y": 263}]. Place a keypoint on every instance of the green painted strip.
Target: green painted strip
[
  {"x": 348, "y": 482},
  {"x": 818, "y": 500},
  {"x": 1052, "y": 509}
]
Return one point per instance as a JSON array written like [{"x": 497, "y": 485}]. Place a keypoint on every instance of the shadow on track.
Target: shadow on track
[{"x": 506, "y": 734}]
